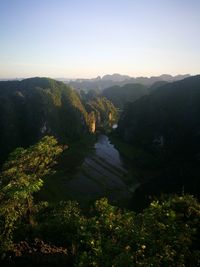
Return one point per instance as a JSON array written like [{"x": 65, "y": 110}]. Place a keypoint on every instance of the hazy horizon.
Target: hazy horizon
[
  {"x": 101, "y": 76},
  {"x": 86, "y": 39}
]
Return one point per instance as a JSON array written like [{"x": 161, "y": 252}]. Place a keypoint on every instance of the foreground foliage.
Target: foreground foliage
[
  {"x": 164, "y": 234},
  {"x": 21, "y": 177}
]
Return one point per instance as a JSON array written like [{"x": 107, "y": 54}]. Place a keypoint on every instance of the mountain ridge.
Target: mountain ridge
[{"x": 108, "y": 80}]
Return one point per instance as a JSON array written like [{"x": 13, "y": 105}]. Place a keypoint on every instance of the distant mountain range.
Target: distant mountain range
[{"x": 106, "y": 81}]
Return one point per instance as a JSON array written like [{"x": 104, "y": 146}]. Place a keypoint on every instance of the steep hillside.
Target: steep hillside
[
  {"x": 166, "y": 125},
  {"x": 127, "y": 93},
  {"x": 32, "y": 108},
  {"x": 102, "y": 111},
  {"x": 156, "y": 85},
  {"x": 170, "y": 115}
]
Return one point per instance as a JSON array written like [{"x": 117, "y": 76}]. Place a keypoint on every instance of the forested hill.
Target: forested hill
[
  {"x": 61, "y": 233},
  {"x": 32, "y": 108},
  {"x": 35, "y": 107},
  {"x": 166, "y": 125},
  {"x": 171, "y": 112},
  {"x": 119, "y": 96}
]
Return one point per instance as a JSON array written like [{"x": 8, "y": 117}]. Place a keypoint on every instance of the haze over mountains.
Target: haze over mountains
[
  {"x": 99, "y": 136},
  {"x": 154, "y": 150},
  {"x": 106, "y": 81}
]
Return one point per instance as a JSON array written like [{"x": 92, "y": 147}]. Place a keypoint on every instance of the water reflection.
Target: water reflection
[
  {"x": 107, "y": 151},
  {"x": 102, "y": 174}
]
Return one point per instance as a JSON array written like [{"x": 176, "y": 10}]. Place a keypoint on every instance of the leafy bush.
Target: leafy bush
[{"x": 164, "y": 234}]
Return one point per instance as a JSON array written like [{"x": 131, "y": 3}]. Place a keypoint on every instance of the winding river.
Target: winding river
[{"x": 102, "y": 174}]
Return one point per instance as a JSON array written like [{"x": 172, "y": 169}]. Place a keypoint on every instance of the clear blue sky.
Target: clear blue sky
[{"x": 86, "y": 38}]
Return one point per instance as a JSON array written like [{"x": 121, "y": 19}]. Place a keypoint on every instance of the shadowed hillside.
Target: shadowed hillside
[
  {"x": 127, "y": 93},
  {"x": 165, "y": 125},
  {"x": 35, "y": 107}
]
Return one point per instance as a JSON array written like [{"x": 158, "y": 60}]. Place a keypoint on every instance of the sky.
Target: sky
[{"x": 89, "y": 38}]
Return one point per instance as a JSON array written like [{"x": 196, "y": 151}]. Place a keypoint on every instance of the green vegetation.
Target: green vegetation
[
  {"x": 68, "y": 163},
  {"x": 21, "y": 177},
  {"x": 166, "y": 118},
  {"x": 162, "y": 130},
  {"x": 119, "y": 96},
  {"x": 164, "y": 234},
  {"x": 158, "y": 135},
  {"x": 35, "y": 107},
  {"x": 104, "y": 111},
  {"x": 142, "y": 165}
]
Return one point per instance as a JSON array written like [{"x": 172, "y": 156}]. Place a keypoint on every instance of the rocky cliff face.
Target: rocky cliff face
[
  {"x": 102, "y": 112},
  {"x": 93, "y": 127},
  {"x": 92, "y": 122}
]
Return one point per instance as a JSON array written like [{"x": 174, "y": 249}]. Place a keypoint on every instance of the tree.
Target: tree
[
  {"x": 21, "y": 177},
  {"x": 164, "y": 234}
]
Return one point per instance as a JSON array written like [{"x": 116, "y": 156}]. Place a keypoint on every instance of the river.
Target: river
[{"x": 102, "y": 174}]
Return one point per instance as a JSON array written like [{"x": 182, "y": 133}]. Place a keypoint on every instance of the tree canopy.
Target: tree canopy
[{"x": 21, "y": 177}]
